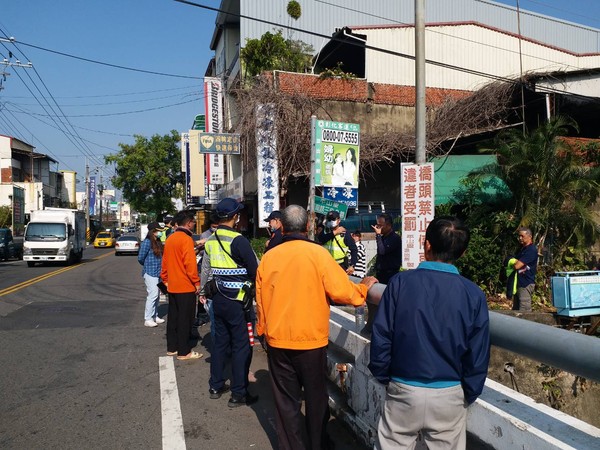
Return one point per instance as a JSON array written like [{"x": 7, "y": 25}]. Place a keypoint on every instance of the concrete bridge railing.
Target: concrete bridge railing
[{"x": 501, "y": 418}]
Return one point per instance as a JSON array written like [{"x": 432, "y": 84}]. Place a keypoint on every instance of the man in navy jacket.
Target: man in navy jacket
[{"x": 430, "y": 345}]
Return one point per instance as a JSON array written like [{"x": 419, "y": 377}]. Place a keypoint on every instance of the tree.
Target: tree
[
  {"x": 5, "y": 217},
  {"x": 149, "y": 172},
  {"x": 553, "y": 187},
  {"x": 274, "y": 52}
]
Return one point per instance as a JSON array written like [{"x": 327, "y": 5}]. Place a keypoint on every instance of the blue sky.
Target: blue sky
[
  {"x": 152, "y": 35},
  {"x": 585, "y": 12}
]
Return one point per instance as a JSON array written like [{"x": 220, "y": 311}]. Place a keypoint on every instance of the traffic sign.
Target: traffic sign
[{"x": 323, "y": 206}]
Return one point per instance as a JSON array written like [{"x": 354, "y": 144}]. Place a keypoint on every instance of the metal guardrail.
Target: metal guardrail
[{"x": 566, "y": 350}]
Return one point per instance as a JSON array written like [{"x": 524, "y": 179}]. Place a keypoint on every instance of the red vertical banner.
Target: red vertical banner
[{"x": 418, "y": 209}]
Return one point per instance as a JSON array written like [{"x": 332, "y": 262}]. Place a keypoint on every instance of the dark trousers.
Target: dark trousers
[
  {"x": 179, "y": 322},
  {"x": 231, "y": 337},
  {"x": 292, "y": 370}
]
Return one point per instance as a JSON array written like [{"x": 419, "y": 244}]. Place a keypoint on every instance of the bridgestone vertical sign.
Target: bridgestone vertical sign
[
  {"x": 215, "y": 166},
  {"x": 418, "y": 209}
]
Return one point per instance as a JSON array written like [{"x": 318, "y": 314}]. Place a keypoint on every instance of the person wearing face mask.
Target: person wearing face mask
[
  {"x": 339, "y": 243},
  {"x": 228, "y": 274},
  {"x": 276, "y": 238},
  {"x": 150, "y": 256},
  {"x": 201, "y": 317},
  {"x": 168, "y": 228}
]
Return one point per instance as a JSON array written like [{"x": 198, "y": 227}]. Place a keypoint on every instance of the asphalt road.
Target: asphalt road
[{"x": 79, "y": 369}]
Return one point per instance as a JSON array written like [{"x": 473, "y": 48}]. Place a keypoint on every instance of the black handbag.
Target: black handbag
[
  {"x": 210, "y": 288},
  {"x": 162, "y": 287}
]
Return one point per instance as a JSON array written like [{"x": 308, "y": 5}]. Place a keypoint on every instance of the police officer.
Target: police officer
[
  {"x": 339, "y": 243},
  {"x": 276, "y": 237},
  {"x": 229, "y": 265}
]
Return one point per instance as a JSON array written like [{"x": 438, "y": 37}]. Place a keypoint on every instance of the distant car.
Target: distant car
[
  {"x": 9, "y": 248},
  {"x": 104, "y": 239},
  {"x": 126, "y": 244}
]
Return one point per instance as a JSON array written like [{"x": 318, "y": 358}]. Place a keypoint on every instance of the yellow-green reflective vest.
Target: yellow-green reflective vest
[
  {"x": 337, "y": 248},
  {"x": 229, "y": 275}
]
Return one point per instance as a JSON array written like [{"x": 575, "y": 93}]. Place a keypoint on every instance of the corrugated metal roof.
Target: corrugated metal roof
[{"x": 324, "y": 16}]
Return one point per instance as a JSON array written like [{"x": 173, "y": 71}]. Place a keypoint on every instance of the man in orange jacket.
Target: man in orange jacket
[
  {"x": 293, "y": 283},
  {"x": 180, "y": 274}
]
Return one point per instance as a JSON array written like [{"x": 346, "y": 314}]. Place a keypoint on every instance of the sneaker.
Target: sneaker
[
  {"x": 247, "y": 399},
  {"x": 150, "y": 323},
  {"x": 159, "y": 320},
  {"x": 216, "y": 393}
]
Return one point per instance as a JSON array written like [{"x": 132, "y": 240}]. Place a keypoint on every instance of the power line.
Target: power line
[
  {"x": 116, "y": 66},
  {"x": 85, "y": 150},
  {"x": 114, "y": 95},
  {"x": 121, "y": 103},
  {"x": 33, "y": 116},
  {"x": 37, "y": 139},
  {"x": 10, "y": 126},
  {"x": 124, "y": 112}
]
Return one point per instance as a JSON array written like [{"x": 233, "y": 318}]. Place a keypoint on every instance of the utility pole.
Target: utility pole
[
  {"x": 87, "y": 202},
  {"x": 312, "y": 189},
  {"x": 7, "y": 63},
  {"x": 420, "y": 110}
]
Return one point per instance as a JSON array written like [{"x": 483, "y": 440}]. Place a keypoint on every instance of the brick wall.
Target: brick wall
[
  {"x": 358, "y": 90},
  {"x": 6, "y": 175}
]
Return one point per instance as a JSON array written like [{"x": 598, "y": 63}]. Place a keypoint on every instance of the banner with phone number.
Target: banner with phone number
[{"x": 337, "y": 153}]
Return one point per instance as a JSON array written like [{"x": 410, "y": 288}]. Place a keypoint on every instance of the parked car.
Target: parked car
[
  {"x": 8, "y": 247},
  {"x": 364, "y": 221},
  {"x": 127, "y": 244},
  {"x": 104, "y": 239}
]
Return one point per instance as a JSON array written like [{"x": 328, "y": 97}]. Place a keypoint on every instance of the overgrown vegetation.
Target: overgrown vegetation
[
  {"x": 274, "y": 52},
  {"x": 550, "y": 188},
  {"x": 294, "y": 9},
  {"x": 336, "y": 72}
]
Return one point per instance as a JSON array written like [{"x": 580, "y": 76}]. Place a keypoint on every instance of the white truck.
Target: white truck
[{"x": 54, "y": 235}]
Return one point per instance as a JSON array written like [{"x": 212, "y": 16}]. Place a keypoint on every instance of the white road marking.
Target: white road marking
[{"x": 172, "y": 421}]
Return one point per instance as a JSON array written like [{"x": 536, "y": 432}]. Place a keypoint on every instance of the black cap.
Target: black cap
[
  {"x": 155, "y": 226},
  {"x": 333, "y": 215},
  {"x": 228, "y": 207},
  {"x": 274, "y": 215}
]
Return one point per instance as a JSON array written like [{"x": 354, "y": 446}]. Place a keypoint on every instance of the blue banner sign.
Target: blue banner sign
[{"x": 347, "y": 195}]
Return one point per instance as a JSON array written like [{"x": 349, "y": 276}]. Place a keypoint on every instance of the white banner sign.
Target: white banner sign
[
  {"x": 418, "y": 209},
  {"x": 215, "y": 171},
  {"x": 266, "y": 157}
]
